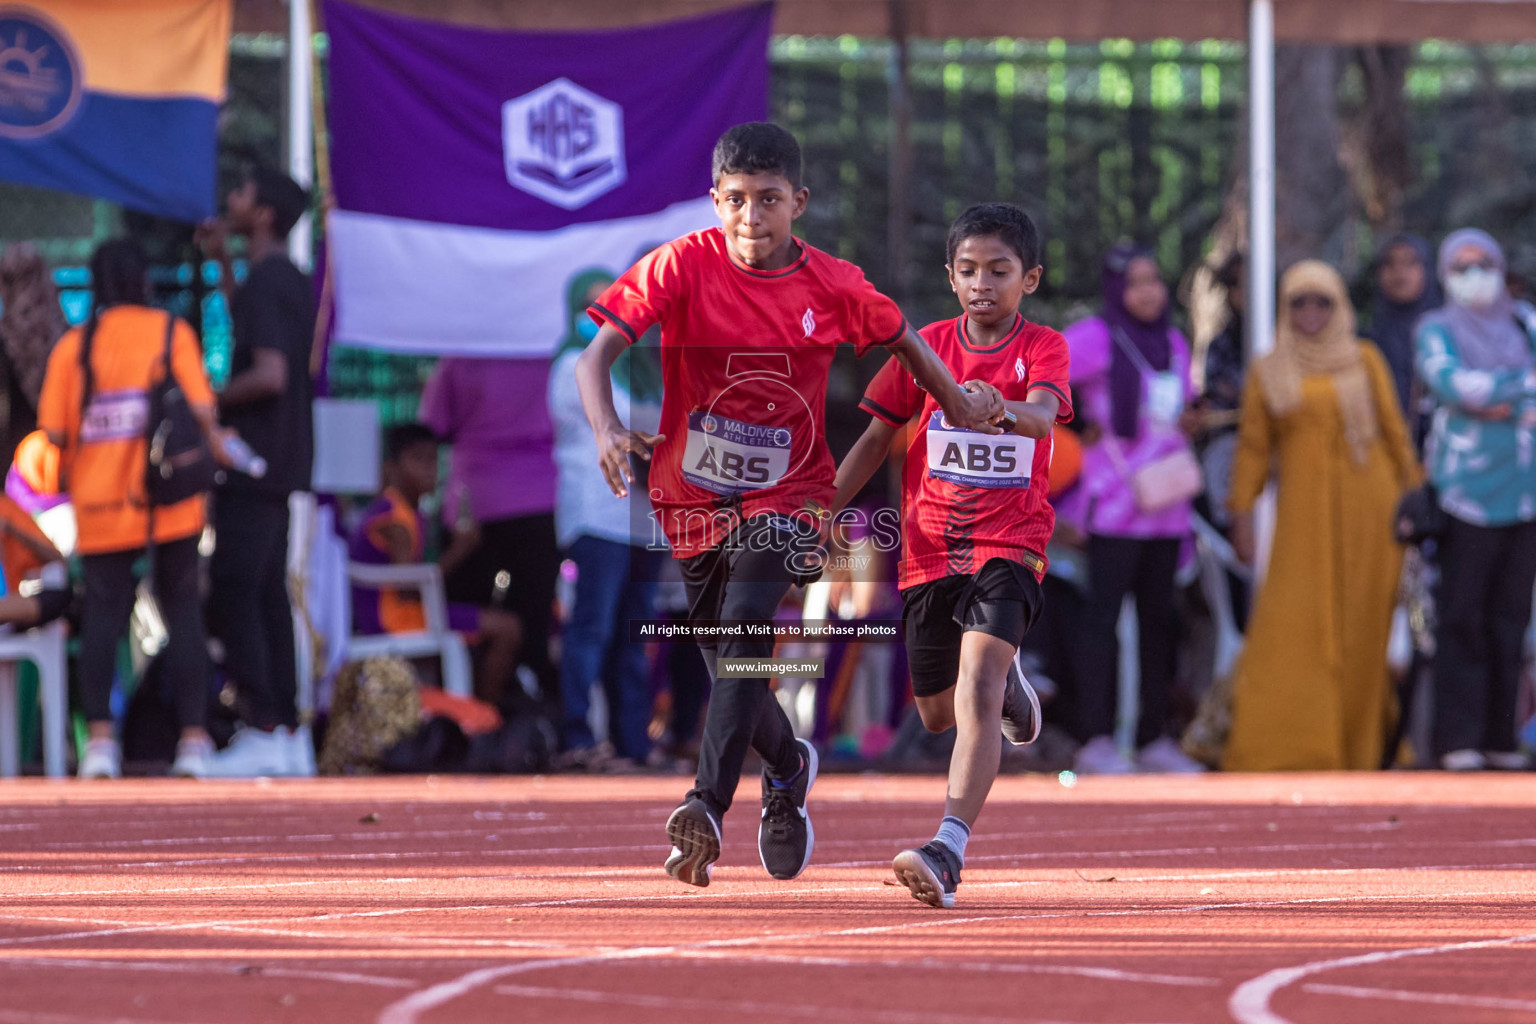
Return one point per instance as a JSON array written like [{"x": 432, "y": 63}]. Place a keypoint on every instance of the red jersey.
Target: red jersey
[
  {"x": 745, "y": 356},
  {"x": 968, "y": 497}
]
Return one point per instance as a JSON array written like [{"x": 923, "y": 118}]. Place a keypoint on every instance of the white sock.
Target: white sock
[{"x": 954, "y": 834}]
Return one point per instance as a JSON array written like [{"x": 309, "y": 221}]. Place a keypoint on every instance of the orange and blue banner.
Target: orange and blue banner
[{"x": 115, "y": 99}]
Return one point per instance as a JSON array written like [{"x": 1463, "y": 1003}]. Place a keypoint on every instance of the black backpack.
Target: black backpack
[{"x": 180, "y": 464}]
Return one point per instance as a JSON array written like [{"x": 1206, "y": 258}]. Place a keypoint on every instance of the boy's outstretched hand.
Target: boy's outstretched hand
[
  {"x": 613, "y": 450},
  {"x": 983, "y": 407}
]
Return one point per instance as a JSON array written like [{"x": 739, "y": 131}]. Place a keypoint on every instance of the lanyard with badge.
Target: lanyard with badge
[{"x": 1165, "y": 391}]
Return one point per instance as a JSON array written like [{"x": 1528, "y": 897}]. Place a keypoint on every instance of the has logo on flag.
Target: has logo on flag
[
  {"x": 40, "y": 79},
  {"x": 564, "y": 144}
]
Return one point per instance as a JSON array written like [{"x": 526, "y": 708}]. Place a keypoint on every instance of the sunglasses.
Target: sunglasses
[{"x": 1301, "y": 302}]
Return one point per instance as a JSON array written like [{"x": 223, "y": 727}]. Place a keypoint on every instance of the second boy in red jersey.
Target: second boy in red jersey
[
  {"x": 750, "y": 317},
  {"x": 975, "y": 518}
]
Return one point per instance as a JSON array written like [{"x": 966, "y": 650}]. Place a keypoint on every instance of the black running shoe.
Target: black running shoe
[
  {"x": 695, "y": 834},
  {"x": 785, "y": 837},
  {"x": 931, "y": 872},
  {"x": 1021, "y": 707}
]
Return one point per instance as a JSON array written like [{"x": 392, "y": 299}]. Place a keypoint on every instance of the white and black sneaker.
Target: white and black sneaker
[
  {"x": 930, "y": 872},
  {"x": 695, "y": 834},
  {"x": 785, "y": 838},
  {"x": 1021, "y": 707}
]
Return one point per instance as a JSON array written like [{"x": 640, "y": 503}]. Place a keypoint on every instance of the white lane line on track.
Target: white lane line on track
[
  {"x": 106, "y": 845},
  {"x": 153, "y": 967},
  {"x": 648, "y": 872},
  {"x": 1250, "y": 1001},
  {"x": 926, "y": 964},
  {"x": 1432, "y": 998},
  {"x": 427, "y": 941},
  {"x": 214, "y": 860},
  {"x": 744, "y": 1008},
  {"x": 409, "y": 1009},
  {"x": 1304, "y": 873},
  {"x": 261, "y": 922},
  {"x": 143, "y": 891},
  {"x": 560, "y": 821},
  {"x": 1209, "y": 851},
  {"x": 203, "y": 839},
  {"x": 609, "y": 873},
  {"x": 31, "y": 1017}
]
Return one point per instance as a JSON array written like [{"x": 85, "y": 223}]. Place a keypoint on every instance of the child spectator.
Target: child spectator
[{"x": 393, "y": 532}]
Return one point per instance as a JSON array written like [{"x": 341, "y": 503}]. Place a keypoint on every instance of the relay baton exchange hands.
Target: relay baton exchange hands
[{"x": 983, "y": 408}]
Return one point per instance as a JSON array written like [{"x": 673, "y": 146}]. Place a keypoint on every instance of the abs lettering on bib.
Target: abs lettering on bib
[
  {"x": 974, "y": 459},
  {"x": 725, "y": 455}
]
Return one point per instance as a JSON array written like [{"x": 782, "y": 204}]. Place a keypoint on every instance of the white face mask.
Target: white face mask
[{"x": 1475, "y": 287}]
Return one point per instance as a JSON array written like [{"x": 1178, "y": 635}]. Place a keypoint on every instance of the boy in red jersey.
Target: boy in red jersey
[
  {"x": 750, "y": 317},
  {"x": 976, "y": 521}
]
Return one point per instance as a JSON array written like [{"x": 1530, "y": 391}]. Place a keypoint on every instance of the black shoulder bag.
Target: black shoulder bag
[{"x": 181, "y": 464}]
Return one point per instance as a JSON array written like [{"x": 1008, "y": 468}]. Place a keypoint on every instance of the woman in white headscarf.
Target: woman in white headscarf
[
  {"x": 1475, "y": 355},
  {"x": 1312, "y": 691}
]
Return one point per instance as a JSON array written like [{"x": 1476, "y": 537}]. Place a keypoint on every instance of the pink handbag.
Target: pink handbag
[{"x": 1168, "y": 481}]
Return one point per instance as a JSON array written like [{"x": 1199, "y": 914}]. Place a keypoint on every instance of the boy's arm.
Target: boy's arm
[
  {"x": 1036, "y": 415},
  {"x": 614, "y": 440},
  {"x": 973, "y": 409},
  {"x": 862, "y": 461}
]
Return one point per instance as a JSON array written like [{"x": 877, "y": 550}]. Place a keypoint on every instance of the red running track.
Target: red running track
[{"x": 1148, "y": 900}]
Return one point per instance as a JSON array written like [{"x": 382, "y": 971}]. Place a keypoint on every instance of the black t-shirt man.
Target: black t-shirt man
[
  {"x": 275, "y": 309},
  {"x": 267, "y": 401}
]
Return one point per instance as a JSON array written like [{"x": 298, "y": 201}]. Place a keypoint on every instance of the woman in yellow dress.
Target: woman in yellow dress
[{"x": 1320, "y": 414}]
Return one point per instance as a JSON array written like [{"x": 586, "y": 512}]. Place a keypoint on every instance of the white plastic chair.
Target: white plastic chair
[
  {"x": 45, "y": 648},
  {"x": 437, "y": 640}
]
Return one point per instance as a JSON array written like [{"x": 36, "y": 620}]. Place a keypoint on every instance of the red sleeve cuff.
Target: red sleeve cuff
[
  {"x": 1065, "y": 413},
  {"x": 881, "y": 413},
  {"x": 602, "y": 313}
]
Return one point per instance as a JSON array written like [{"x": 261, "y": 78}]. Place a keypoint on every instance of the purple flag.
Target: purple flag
[{"x": 478, "y": 172}]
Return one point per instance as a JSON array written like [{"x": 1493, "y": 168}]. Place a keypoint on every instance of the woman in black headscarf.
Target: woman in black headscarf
[{"x": 1406, "y": 289}]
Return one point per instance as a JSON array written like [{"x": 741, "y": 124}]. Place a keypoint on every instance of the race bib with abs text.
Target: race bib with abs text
[
  {"x": 725, "y": 455},
  {"x": 974, "y": 459}
]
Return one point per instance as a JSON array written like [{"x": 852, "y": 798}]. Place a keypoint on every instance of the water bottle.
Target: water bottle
[{"x": 243, "y": 459}]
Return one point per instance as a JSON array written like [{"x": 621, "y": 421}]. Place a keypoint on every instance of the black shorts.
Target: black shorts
[{"x": 1002, "y": 600}]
